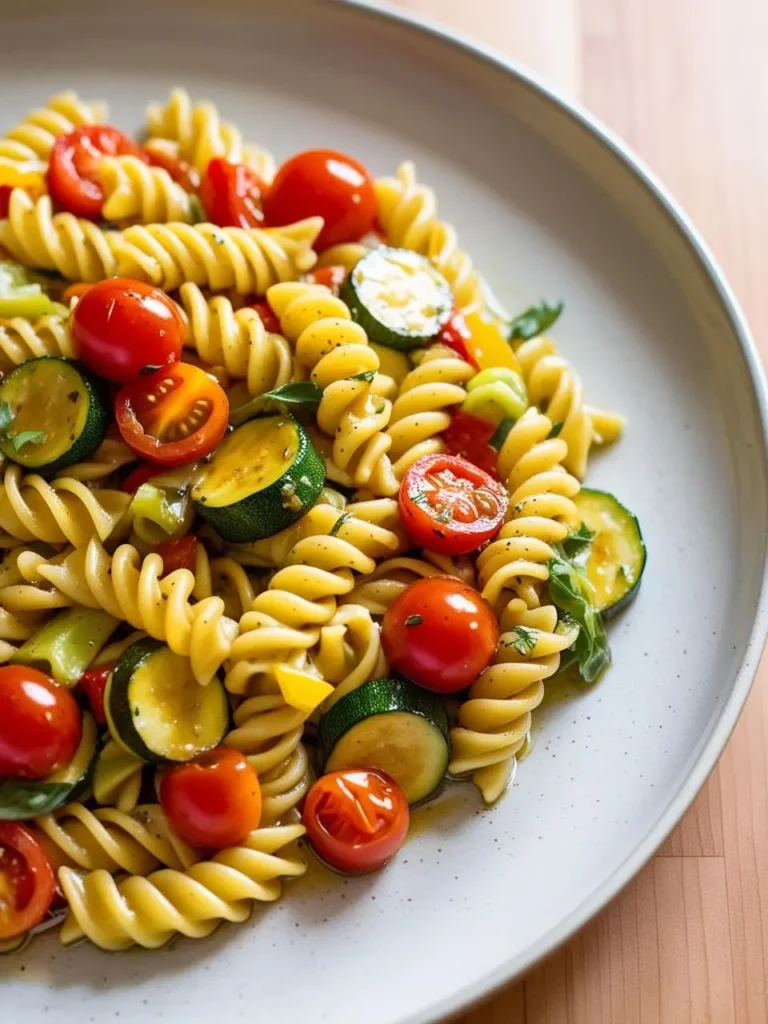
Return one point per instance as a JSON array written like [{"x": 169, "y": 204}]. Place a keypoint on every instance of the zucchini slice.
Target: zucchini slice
[
  {"x": 22, "y": 799},
  {"x": 392, "y": 725},
  {"x": 398, "y": 298},
  {"x": 59, "y": 414},
  {"x": 158, "y": 711},
  {"x": 612, "y": 554},
  {"x": 264, "y": 476}
]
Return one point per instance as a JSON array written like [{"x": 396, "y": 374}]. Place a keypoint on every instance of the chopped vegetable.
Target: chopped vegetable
[
  {"x": 67, "y": 644},
  {"x": 27, "y": 882},
  {"x": 301, "y": 691},
  {"x": 39, "y": 724}
]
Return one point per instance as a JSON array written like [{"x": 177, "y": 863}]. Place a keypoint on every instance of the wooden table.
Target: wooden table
[{"x": 685, "y": 82}]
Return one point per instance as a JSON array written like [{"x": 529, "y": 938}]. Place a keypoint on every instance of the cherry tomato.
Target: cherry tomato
[
  {"x": 469, "y": 436},
  {"x": 324, "y": 183},
  {"x": 93, "y": 683},
  {"x": 174, "y": 416},
  {"x": 332, "y": 277},
  {"x": 183, "y": 174},
  {"x": 356, "y": 820},
  {"x": 214, "y": 801},
  {"x": 178, "y": 554},
  {"x": 440, "y": 633},
  {"x": 122, "y": 328},
  {"x": 39, "y": 724},
  {"x": 143, "y": 472},
  {"x": 456, "y": 336},
  {"x": 450, "y": 506},
  {"x": 231, "y": 195},
  {"x": 27, "y": 882},
  {"x": 74, "y": 167},
  {"x": 5, "y": 199},
  {"x": 268, "y": 316}
]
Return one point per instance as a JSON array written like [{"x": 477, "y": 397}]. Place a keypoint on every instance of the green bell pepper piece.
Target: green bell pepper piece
[{"x": 67, "y": 645}]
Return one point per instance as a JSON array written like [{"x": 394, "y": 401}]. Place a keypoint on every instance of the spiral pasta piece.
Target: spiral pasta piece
[
  {"x": 248, "y": 260},
  {"x": 349, "y": 652},
  {"x": 135, "y": 192},
  {"x": 494, "y": 723},
  {"x": 64, "y": 511},
  {"x": 407, "y": 212},
  {"x": 30, "y": 141},
  {"x": 336, "y": 350},
  {"x": 108, "y": 839},
  {"x": 14, "y": 628},
  {"x": 117, "y": 777},
  {"x": 236, "y": 340},
  {"x": 377, "y": 591},
  {"x": 419, "y": 414},
  {"x": 134, "y": 589},
  {"x": 149, "y": 911},
  {"x": 111, "y": 455},
  {"x": 78, "y": 249},
  {"x": 21, "y": 340}
]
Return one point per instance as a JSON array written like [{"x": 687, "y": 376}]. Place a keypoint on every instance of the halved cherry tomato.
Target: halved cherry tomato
[
  {"x": 178, "y": 554},
  {"x": 75, "y": 291},
  {"x": 39, "y": 724},
  {"x": 122, "y": 328},
  {"x": 74, "y": 167},
  {"x": 324, "y": 183},
  {"x": 440, "y": 633},
  {"x": 332, "y": 277},
  {"x": 450, "y": 506},
  {"x": 213, "y": 801},
  {"x": 5, "y": 199},
  {"x": 456, "y": 336},
  {"x": 143, "y": 472},
  {"x": 469, "y": 437},
  {"x": 27, "y": 881},
  {"x": 268, "y": 316},
  {"x": 356, "y": 820},
  {"x": 173, "y": 416},
  {"x": 93, "y": 684},
  {"x": 183, "y": 174},
  {"x": 231, "y": 195}
]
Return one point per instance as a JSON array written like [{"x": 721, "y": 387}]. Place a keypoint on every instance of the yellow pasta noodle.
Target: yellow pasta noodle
[
  {"x": 117, "y": 777},
  {"x": 21, "y": 339},
  {"x": 30, "y": 142},
  {"x": 135, "y": 192}
]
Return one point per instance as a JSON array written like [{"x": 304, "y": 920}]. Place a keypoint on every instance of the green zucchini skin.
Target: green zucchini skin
[
  {"x": 387, "y": 326},
  {"x": 608, "y": 518},
  {"x": 265, "y": 512},
  {"x": 85, "y": 386}
]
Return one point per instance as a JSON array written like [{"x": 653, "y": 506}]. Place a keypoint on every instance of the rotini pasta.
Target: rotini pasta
[
  {"x": 30, "y": 142},
  {"x": 21, "y": 340},
  {"x": 136, "y": 193}
]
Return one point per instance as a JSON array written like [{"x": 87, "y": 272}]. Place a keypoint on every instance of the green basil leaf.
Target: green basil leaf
[
  {"x": 570, "y": 593},
  {"x": 304, "y": 393},
  {"x": 366, "y": 375},
  {"x": 575, "y": 541},
  {"x": 535, "y": 320},
  {"x": 339, "y": 523},
  {"x": 556, "y": 428},
  {"x": 21, "y": 799},
  {"x": 28, "y": 437}
]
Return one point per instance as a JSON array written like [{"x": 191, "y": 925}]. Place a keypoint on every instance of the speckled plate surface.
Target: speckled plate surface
[{"x": 547, "y": 205}]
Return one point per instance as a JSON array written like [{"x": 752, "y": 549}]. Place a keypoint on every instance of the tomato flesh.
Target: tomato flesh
[
  {"x": 5, "y": 200},
  {"x": 356, "y": 820},
  {"x": 231, "y": 195},
  {"x": 440, "y": 633},
  {"x": 450, "y": 506},
  {"x": 74, "y": 167},
  {"x": 323, "y": 183},
  {"x": 174, "y": 416},
  {"x": 469, "y": 437},
  {"x": 183, "y": 174},
  {"x": 139, "y": 476},
  {"x": 94, "y": 684},
  {"x": 268, "y": 316},
  {"x": 122, "y": 328},
  {"x": 178, "y": 554},
  {"x": 40, "y": 724},
  {"x": 214, "y": 801},
  {"x": 27, "y": 882},
  {"x": 332, "y": 277}
]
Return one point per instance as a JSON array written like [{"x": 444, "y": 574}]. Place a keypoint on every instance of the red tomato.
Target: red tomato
[
  {"x": 455, "y": 336},
  {"x": 440, "y": 633},
  {"x": 468, "y": 436},
  {"x": 324, "y": 183},
  {"x": 27, "y": 882},
  {"x": 178, "y": 554},
  {"x": 74, "y": 167},
  {"x": 356, "y": 820},
  {"x": 174, "y": 416},
  {"x": 214, "y": 801},
  {"x": 268, "y": 316},
  {"x": 332, "y": 277},
  {"x": 5, "y": 199},
  {"x": 123, "y": 328},
  {"x": 93, "y": 684},
  {"x": 39, "y": 724},
  {"x": 143, "y": 472},
  {"x": 183, "y": 174},
  {"x": 231, "y": 195},
  {"x": 450, "y": 506}
]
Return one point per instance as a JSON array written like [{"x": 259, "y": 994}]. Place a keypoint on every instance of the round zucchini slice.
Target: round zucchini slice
[
  {"x": 158, "y": 711},
  {"x": 398, "y": 298},
  {"x": 612, "y": 553},
  {"x": 59, "y": 414},
  {"x": 392, "y": 725},
  {"x": 263, "y": 476}
]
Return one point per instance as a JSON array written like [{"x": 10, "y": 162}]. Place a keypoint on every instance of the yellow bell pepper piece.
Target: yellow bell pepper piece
[
  {"x": 24, "y": 176},
  {"x": 488, "y": 345},
  {"x": 301, "y": 691}
]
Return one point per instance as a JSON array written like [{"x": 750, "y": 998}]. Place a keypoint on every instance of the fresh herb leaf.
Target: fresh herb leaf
[
  {"x": 21, "y": 799},
  {"x": 414, "y": 620},
  {"x": 556, "y": 428},
  {"x": 575, "y": 541},
  {"x": 524, "y": 642},
  {"x": 304, "y": 393},
  {"x": 501, "y": 433},
  {"x": 343, "y": 518},
  {"x": 366, "y": 375},
  {"x": 418, "y": 497},
  {"x": 28, "y": 437},
  {"x": 6, "y": 416},
  {"x": 535, "y": 320},
  {"x": 570, "y": 593},
  {"x": 445, "y": 516},
  {"x": 196, "y": 208}
]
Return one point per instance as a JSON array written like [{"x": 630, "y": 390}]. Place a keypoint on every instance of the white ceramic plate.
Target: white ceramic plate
[{"x": 547, "y": 204}]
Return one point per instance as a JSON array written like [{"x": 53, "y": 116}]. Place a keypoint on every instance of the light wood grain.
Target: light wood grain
[{"x": 686, "y": 83}]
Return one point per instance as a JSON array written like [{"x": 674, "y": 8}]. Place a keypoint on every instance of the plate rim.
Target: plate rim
[{"x": 730, "y": 712}]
